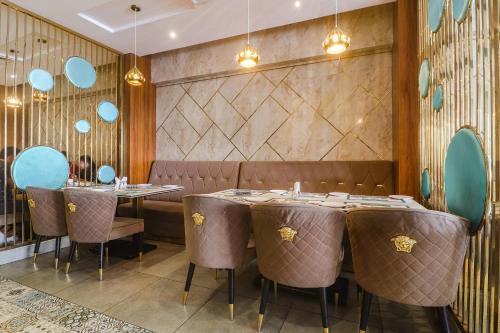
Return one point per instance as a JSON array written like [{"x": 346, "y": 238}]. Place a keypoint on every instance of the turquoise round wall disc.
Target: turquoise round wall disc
[
  {"x": 460, "y": 9},
  {"x": 425, "y": 184},
  {"x": 40, "y": 166},
  {"x": 437, "y": 101},
  {"x": 40, "y": 79},
  {"x": 82, "y": 126},
  {"x": 424, "y": 78},
  {"x": 106, "y": 174},
  {"x": 107, "y": 111},
  {"x": 80, "y": 72},
  {"x": 435, "y": 13},
  {"x": 466, "y": 177}
]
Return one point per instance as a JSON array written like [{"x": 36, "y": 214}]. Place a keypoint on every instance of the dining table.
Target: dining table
[{"x": 136, "y": 193}]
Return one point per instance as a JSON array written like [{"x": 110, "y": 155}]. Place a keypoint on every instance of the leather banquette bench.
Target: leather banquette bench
[{"x": 164, "y": 214}]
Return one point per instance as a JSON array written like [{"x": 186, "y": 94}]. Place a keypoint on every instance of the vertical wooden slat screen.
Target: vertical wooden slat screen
[
  {"x": 465, "y": 60},
  {"x": 27, "y": 42}
]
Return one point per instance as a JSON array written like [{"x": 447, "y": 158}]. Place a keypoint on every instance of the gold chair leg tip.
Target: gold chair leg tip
[
  {"x": 56, "y": 263},
  {"x": 362, "y": 331},
  {"x": 231, "y": 311},
  {"x": 66, "y": 270},
  {"x": 326, "y": 330},
  {"x": 260, "y": 319},
  {"x": 34, "y": 258},
  {"x": 100, "y": 274},
  {"x": 185, "y": 297},
  {"x": 140, "y": 256}
]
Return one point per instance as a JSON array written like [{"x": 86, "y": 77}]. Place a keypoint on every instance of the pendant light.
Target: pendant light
[
  {"x": 248, "y": 57},
  {"x": 337, "y": 41},
  {"x": 134, "y": 77},
  {"x": 13, "y": 102}
]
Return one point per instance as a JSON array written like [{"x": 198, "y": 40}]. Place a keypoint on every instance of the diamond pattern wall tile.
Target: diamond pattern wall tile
[
  {"x": 350, "y": 148},
  {"x": 194, "y": 114},
  {"x": 213, "y": 146},
  {"x": 202, "y": 91},
  {"x": 168, "y": 149},
  {"x": 180, "y": 131},
  {"x": 224, "y": 115},
  {"x": 234, "y": 85},
  {"x": 277, "y": 75},
  {"x": 166, "y": 99},
  {"x": 257, "y": 90},
  {"x": 287, "y": 98},
  {"x": 186, "y": 86},
  {"x": 235, "y": 155},
  {"x": 266, "y": 153},
  {"x": 304, "y": 136},
  {"x": 265, "y": 121}
]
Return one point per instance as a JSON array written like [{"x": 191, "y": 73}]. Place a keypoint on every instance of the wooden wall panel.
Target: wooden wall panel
[
  {"x": 405, "y": 98},
  {"x": 139, "y": 105}
]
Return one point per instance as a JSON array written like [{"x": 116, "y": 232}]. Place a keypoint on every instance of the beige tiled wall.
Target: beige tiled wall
[{"x": 330, "y": 110}]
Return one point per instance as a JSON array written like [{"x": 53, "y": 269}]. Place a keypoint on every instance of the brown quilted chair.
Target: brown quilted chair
[
  {"x": 217, "y": 234},
  {"x": 47, "y": 217},
  {"x": 408, "y": 256},
  {"x": 90, "y": 217},
  {"x": 298, "y": 246}
]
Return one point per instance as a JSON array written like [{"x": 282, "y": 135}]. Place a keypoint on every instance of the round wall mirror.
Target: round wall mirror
[
  {"x": 82, "y": 126},
  {"x": 80, "y": 72},
  {"x": 106, "y": 174},
  {"x": 424, "y": 77},
  {"x": 40, "y": 166},
  {"x": 437, "y": 101},
  {"x": 460, "y": 9},
  {"x": 107, "y": 111},
  {"x": 436, "y": 13},
  {"x": 40, "y": 79},
  {"x": 466, "y": 177}
]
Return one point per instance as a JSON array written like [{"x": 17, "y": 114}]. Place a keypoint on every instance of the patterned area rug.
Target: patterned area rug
[{"x": 26, "y": 310}]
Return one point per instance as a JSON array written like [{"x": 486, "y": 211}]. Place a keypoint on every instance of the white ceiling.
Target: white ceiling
[{"x": 193, "y": 21}]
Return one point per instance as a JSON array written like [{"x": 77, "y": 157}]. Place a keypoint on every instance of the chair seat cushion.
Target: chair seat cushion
[
  {"x": 163, "y": 219},
  {"x": 126, "y": 226}
]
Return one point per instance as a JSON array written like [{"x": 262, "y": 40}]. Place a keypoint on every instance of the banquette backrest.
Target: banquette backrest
[
  {"x": 355, "y": 177},
  {"x": 197, "y": 177},
  {"x": 200, "y": 177}
]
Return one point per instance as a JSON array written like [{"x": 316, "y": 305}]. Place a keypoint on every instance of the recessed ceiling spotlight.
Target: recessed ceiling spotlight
[
  {"x": 173, "y": 34},
  {"x": 297, "y": 4}
]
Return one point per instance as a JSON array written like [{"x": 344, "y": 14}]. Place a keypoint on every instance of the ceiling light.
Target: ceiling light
[
  {"x": 297, "y": 4},
  {"x": 337, "y": 41},
  {"x": 13, "y": 102},
  {"x": 173, "y": 34},
  {"x": 248, "y": 57},
  {"x": 134, "y": 77}
]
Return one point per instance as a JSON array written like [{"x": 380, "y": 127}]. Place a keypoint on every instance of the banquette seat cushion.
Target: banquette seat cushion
[{"x": 163, "y": 214}]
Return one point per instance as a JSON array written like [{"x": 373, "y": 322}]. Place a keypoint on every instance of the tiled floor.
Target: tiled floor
[{"x": 148, "y": 294}]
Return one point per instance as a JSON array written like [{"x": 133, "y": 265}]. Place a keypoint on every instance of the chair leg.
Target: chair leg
[
  {"x": 189, "y": 278},
  {"x": 57, "y": 252},
  {"x": 106, "y": 253},
  {"x": 140, "y": 244},
  {"x": 72, "y": 253},
  {"x": 77, "y": 257},
  {"x": 231, "y": 288},
  {"x": 263, "y": 302},
  {"x": 324, "y": 309},
  {"x": 365, "y": 311},
  {"x": 37, "y": 247},
  {"x": 443, "y": 319},
  {"x": 101, "y": 259}
]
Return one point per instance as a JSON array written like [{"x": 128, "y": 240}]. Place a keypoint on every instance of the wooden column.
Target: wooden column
[
  {"x": 405, "y": 98},
  {"x": 139, "y": 106}
]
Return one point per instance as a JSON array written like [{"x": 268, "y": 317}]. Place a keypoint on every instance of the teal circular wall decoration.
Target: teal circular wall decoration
[
  {"x": 106, "y": 174},
  {"x": 80, "y": 72},
  {"x": 82, "y": 126},
  {"x": 424, "y": 77},
  {"x": 435, "y": 13},
  {"x": 425, "y": 184},
  {"x": 40, "y": 166},
  {"x": 437, "y": 100},
  {"x": 466, "y": 177},
  {"x": 460, "y": 9},
  {"x": 40, "y": 79},
  {"x": 107, "y": 111}
]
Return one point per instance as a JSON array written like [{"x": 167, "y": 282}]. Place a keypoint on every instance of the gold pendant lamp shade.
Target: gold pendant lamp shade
[
  {"x": 134, "y": 77},
  {"x": 248, "y": 57},
  {"x": 336, "y": 41}
]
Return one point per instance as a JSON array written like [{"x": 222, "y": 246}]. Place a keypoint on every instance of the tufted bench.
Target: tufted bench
[{"x": 164, "y": 215}]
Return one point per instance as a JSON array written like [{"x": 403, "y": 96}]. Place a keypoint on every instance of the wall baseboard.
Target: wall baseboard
[{"x": 23, "y": 252}]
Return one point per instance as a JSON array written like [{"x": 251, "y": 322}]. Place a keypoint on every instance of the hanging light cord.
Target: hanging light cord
[
  {"x": 248, "y": 22},
  {"x": 135, "y": 37},
  {"x": 336, "y": 13}
]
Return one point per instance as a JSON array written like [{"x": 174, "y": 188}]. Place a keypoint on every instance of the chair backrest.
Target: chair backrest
[
  {"x": 217, "y": 231},
  {"x": 298, "y": 245},
  {"x": 408, "y": 256},
  {"x": 89, "y": 215},
  {"x": 47, "y": 211}
]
